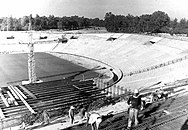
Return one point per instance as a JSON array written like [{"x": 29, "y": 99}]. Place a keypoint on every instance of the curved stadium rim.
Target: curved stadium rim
[{"x": 108, "y": 86}]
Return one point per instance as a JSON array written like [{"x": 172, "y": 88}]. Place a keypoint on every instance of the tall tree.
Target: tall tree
[
  {"x": 183, "y": 23},
  {"x": 174, "y": 23},
  {"x": 10, "y": 23},
  {"x": 37, "y": 22},
  {"x": 144, "y": 23},
  {"x": 25, "y": 22},
  {"x": 159, "y": 19}
]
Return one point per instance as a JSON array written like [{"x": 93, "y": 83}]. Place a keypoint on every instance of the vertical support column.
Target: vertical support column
[
  {"x": 118, "y": 89},
  {"x": 113, "y": 90},
  {"x": 121, "y": 91},
  {"x": 100, "y": 83},
  {"x": 110, "y": 90},
  {"x": 125, "y": 91}
]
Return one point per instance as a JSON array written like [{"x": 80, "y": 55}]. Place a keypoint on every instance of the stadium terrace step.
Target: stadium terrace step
[{"x": 50, "y": 96}]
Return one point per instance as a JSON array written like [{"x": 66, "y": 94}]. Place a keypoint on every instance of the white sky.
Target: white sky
[{"x": 92, "y": 8}]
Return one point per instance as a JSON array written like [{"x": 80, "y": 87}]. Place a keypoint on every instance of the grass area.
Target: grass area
[{"x": 13, "y": 67}]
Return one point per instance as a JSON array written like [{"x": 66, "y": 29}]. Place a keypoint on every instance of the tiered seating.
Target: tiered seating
[{"x": 53, "y": 95}]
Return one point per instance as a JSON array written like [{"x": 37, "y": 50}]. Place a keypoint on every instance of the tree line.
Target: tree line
[
  {"x": 50, "y": 22},
  {"x": 157, "y": 22}
]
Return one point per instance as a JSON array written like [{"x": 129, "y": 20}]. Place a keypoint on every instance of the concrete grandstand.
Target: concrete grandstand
[{"x": 137, "y": 64}]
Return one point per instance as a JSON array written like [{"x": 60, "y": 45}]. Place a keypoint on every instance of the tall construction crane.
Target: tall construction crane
[{"x": 31, "y": 59}]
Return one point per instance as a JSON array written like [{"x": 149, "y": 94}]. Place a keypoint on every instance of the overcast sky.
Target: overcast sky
[{"x": 92, "y": 8}]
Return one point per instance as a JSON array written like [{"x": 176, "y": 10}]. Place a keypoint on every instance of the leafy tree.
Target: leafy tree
[
  {"x": 50, "y": 22},
  {"x": 159, "y": 19},
  {"x": 174, "y": 23},
  {"x": 37, "y": 22},
  {"x": 4, "y": 24},
  {"x": 44, "y": 23},
  {"x": 144, "y": 23},
  {"x": 24, "y": 22},
  {"x": 10, "y": 23},
  {"x": 182, "y": 23}
]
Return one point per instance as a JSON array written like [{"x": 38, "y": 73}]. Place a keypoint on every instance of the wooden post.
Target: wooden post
[
  {"x": 118, "y": 90},
  {"x": 98, "y": 83},
  {"x": 101, "y": 83},
  {"x": 108, "y": 90},
  {"x": 113, "y": 90},
  {"x": 125, "y": 91},
  {"x": 121, "y": 92}
]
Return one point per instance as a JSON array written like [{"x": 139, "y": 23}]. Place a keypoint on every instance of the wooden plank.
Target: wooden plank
[
  {"x": 76, "y": 87},
  {"x": 2, "y": 116},
  {"x": 28, "y": 92},
  {"x": 12, "y": 91},
  {"x": 20, "y": 92},
  {"x": 4, "y": 100},
  {"x": 12, "y": 98},
  {"x": 23, "y": 100}
]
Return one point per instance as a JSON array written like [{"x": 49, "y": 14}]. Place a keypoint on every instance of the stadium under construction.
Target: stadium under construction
[{"x": 88, "y": 70}]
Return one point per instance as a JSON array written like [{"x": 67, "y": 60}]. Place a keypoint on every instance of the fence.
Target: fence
[
  {"x": 114, "y": 90},
  {"x": 157, "y": 66}
]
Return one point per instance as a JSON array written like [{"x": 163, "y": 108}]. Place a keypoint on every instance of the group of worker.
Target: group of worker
[
  {"x": 134, "y": 106},
  {"x": 94, "y": 118}
]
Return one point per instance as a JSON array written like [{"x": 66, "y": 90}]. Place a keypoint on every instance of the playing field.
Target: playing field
[{"x": 13, "y": 67}]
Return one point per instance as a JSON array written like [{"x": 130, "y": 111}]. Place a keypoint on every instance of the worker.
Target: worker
[
  {"x": 71, "y": 114},
  {"x": 22, "y": 126},
  {"x": 161, "y": 94},
  {"x": 46, "y": 118},
  {"x": 94, "y": 119},
  {"x": 82, "y": 112},
  {"x": 134, "y": 103}
]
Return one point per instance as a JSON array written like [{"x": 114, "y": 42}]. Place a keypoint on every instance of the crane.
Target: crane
[
  {"x": 31, "y": 58},
  {"x": 31, "y": 61}
]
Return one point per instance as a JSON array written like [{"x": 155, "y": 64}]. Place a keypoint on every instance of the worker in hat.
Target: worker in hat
[
  {"x": 71, "y": 114},
  {"x": 134, "y": 103}
]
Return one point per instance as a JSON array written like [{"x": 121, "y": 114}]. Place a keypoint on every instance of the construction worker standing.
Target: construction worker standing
[
  {"x": 71, "y": 114},
  {"x": 46, "y": 118},
  {"x": 134, "y": 103}
]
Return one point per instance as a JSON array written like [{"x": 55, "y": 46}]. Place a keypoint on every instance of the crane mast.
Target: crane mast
[{"x": 31, "y": 60}]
